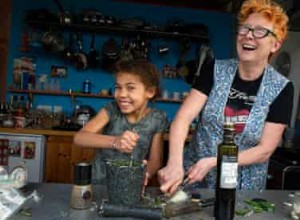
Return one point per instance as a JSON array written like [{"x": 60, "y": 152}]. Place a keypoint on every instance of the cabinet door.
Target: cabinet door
[
  {"x": 58, "y": 159},
  {"x": 81, "y": 154}
]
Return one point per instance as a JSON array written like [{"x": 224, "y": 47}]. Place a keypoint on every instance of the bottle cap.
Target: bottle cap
[{"x": 82, "y": 173}]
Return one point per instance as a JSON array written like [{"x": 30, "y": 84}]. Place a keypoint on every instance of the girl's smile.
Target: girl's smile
[{"x": 132, "y": 96}]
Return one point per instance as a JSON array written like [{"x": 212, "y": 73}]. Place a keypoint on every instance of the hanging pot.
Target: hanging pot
[
  {"x": 110, "y": 54},
  {"x": 53, "y": 42},
  {"x": 58, "y": 44},
  {"x": 48, "y": 39}
]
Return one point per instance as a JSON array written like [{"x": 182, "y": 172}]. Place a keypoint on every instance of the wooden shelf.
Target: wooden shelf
[
  {"x": 116, "y": 29},
  {"x": 77, "y": 94}
]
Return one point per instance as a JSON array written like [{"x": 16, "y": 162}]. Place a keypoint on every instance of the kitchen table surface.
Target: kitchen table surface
[{"x": 55, "y": 204}]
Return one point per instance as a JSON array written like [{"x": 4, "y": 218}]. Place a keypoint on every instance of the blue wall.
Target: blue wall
[{"x": 220, "y": 32}]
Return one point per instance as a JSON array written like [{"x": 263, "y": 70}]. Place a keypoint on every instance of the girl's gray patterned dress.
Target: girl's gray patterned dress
[{"x": 154, "y": 122}]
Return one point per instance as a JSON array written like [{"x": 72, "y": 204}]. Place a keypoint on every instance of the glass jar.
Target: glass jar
[{"x": 296, "y": 203}]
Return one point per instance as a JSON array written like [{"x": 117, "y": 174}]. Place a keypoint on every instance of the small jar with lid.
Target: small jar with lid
[{"x": 82, "y": 195}]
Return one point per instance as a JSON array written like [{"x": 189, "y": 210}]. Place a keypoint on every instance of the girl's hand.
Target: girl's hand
[
  {"x": 146, "y": 180},
  {"x": 126, "y": 142}
]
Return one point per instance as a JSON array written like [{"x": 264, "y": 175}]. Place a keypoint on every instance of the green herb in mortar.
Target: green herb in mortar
[{"x": 120, "y": 163}]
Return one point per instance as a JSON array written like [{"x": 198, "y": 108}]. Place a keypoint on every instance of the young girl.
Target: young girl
[{"x": 127, "y": 126}]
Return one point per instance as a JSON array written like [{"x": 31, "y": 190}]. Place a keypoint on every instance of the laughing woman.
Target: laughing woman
[{"x": 246, "y": 91}]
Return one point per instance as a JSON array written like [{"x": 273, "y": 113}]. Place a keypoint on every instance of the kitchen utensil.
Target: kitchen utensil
[
  {"x": 47, "y": 39},
  {"x": 124, "y": 182},
  {"x": 83, "y": 114},
  {"x": 108, "y": 209},
  {"x": 53, "y": 42},
  {"x": 180, "y": 208},
  {"x": 110, "y": 54},
  {"x": 3, "y": 174},
  {"x": 19, "y": 176},
  {"x": 132, "y": 23},
  {"x": 80, "y": 58},
  {"x": 13, "y": 200},
  {"x": 126, "y": 52},
  {"x": 175, "y": 26},
  {"x": 161, "y": 211},
  {"x": 68, "y": 52},
  {"x": 64, "y": 17},
  {"x": 81, "y": 197},
  {"x": 41, "y": 14},
  {"x": 131, "y": 154},
  {"x": 93, "y": 56},
  {"x": 4, "y": 110},
  {"x": 8, "y": 121},
  {"x": 110, "y": 20},
  {"x": 180, "y": 195},
  {"x": 163, "y": 49}
]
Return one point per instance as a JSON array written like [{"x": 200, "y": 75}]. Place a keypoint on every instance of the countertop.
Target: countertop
[
  {"x": 47, "y": 132},
  {"x": 56, "y": 204}
]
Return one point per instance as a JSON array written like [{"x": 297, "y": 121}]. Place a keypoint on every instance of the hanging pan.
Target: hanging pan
[{"x": 80, "y": 58}]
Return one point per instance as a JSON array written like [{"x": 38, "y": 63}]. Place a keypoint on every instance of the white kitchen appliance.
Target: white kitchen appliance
[{"x": 27, "y": 149}]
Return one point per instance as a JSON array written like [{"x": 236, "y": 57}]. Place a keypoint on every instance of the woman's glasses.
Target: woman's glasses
[{"x": 257, "y": 32}]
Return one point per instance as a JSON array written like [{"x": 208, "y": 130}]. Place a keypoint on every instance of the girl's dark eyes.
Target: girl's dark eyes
[{"x": 130, "y": 87}]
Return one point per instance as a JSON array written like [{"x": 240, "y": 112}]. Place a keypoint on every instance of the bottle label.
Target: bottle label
[{"x": 229, "y": 172}]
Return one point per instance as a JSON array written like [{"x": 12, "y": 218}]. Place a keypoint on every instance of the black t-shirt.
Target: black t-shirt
[{"x": 242, "y": 96}]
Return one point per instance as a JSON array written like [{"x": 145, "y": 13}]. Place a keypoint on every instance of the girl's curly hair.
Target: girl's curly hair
[{"x": 147, "y": 72}]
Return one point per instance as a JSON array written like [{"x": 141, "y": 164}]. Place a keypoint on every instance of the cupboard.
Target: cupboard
[{"x": 61, "y": 157}]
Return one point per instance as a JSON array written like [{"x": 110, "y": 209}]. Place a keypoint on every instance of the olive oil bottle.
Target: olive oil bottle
[{"x": 227, "y": 172}]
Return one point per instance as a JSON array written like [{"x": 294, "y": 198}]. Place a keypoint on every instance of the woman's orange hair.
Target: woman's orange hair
[{"x": 271, "y": 11}]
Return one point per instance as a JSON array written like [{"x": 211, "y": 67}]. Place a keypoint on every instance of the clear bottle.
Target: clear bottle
[
  {"x": 86, "y": 87},
  {"x": 227, "y": 173}
]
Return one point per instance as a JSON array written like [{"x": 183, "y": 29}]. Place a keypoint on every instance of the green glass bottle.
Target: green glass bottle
[{"x": 227, "y": 173}]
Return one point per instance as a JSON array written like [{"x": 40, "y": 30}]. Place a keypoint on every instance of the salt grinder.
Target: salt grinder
[{"x": 81, "y": 196}]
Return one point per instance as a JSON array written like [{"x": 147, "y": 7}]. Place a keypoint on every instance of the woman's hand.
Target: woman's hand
[
  {"x": 126, "y": 142},
  {"x": 170, "y": 177},
  {"x": 200, "y": 169}
]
